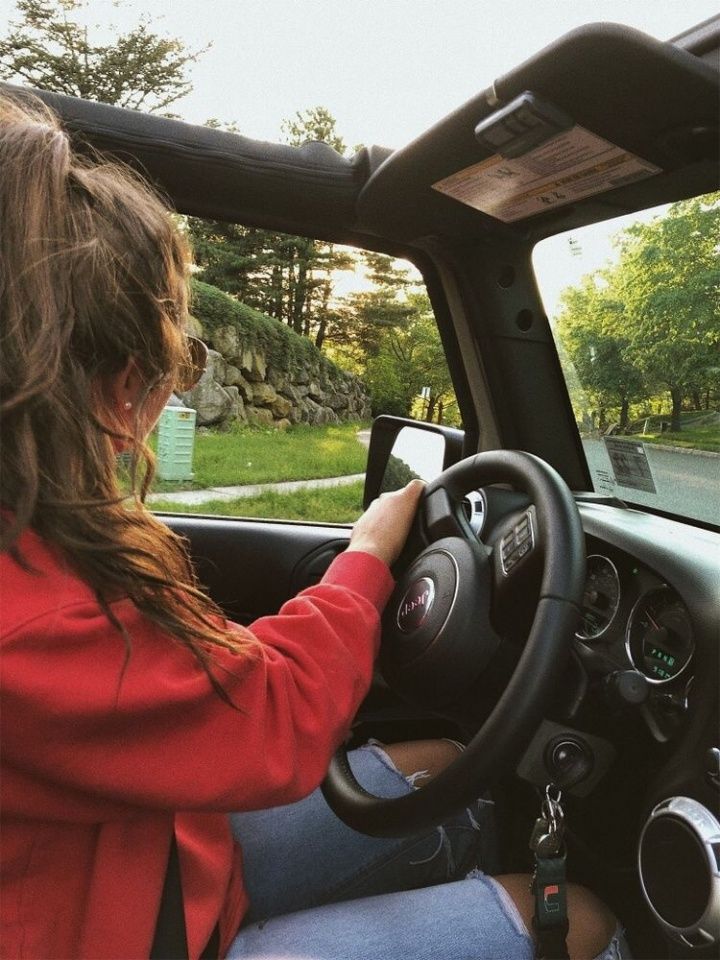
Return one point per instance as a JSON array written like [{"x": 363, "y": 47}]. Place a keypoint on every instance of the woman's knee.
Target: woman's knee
[
  {"x": 591, "y": 924},
  {"x": 422, "y": 759}
]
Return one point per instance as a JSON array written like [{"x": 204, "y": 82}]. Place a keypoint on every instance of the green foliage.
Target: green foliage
[
  {"x": 409, "y": 359},
  {"x": 287, "y": 277},
  {"x": 390, "y": 337},
  {"x": 47, "y": 49},
  {"x": 593, "y": 335},
  {"x": 650, "y": 323},
  {"x": 397, "y": 475},
  {"x": 316, "y": 123},
  {"x": 283, "y": 348}
]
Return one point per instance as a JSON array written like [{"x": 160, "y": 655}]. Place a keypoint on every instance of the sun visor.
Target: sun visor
[
  {"x": 604, "y": 121},
  {"x": 211, "y": 173}
]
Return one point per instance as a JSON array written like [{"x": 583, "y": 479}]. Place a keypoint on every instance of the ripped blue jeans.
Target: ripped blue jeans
[{"x": 321, "y": 891}]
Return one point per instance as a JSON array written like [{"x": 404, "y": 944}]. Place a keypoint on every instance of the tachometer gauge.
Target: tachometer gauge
[
  {"x": 659, "y": 635},
  {"x": 601, "y": 598}
]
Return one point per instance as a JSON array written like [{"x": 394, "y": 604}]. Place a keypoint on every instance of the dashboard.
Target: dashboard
[
  {"x": 648, "y": 642},
  {"x": 652, "y": 605},
  {"x": 637, "y": 713}
]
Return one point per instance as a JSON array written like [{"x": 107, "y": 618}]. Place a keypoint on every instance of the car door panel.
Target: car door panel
[{"x": 251, "y": 567}]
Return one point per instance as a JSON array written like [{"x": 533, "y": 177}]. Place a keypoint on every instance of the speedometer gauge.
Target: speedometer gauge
[
  {"x": 659, "y": 635},
  {"x": 600, "y": 599}
]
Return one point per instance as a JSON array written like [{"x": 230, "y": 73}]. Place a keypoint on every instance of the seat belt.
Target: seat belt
[{"x": 170, "y": 940}]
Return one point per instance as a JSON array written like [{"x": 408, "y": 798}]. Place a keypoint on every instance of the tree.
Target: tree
[
  {"x": 288, "y": 277},
  {"x": 592, "y": 335},
  {"x": 316, "y": 123},
  {"x": 669, "y": 282},
  {"x": 49, "y": 50},
  {"x": 650, "y": 323}
]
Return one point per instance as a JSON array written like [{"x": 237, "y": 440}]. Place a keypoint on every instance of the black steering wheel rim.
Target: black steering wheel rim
[{"x": 513, "y": 720}]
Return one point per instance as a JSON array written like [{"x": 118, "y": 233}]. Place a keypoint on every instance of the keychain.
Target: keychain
[{"x": 549, "y": 886}]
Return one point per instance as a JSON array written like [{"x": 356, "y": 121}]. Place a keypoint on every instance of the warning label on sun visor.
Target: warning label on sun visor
[{"x": 568, "y": 167}]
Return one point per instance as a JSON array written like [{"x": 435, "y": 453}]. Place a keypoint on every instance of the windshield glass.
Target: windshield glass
[{"x": 634, "y": 305}]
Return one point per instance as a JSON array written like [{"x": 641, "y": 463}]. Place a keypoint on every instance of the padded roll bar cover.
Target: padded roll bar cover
[
  {"x": 214, "y": 173},
  {"x": 495, "y": 749},
  {"x": 558, "y": 517}
]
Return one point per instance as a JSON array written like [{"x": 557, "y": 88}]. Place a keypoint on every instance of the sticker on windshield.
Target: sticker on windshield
[
  {"x": 630, "y": 464},
  {"x": 566, "y": 168}
]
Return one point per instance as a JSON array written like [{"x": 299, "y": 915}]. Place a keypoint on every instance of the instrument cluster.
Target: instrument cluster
[{"x": 642, "y": 611}]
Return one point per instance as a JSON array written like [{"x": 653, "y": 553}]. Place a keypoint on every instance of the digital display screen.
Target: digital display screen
[{"x": 660, "y": 662}]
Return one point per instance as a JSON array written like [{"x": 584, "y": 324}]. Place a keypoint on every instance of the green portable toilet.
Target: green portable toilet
[{"x": 176, "y": 438}]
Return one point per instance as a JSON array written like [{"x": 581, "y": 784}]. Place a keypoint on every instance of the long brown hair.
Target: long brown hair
[{"x": 93, "y": 271}]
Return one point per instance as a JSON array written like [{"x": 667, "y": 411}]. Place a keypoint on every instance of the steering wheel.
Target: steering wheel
[{"x": 438, "y": 638}]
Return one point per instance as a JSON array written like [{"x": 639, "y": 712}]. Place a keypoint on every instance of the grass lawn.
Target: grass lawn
[
  {"x": 244, "y": 455},
  {"x": 329, "y": 505},
  {"x": 703, "y": 437}
]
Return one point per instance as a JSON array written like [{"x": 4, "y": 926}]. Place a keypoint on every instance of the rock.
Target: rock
[
  {"x": 281, "y": 406},
  {"x": 194, "y": 327},
  {"x": 238, "y": 385},
  {"x": 253, "y": 365},
  {"x": 279, "y": 379},
  {"x": 212, "y": 402},
  {"x": 263, "y": 395},
  {"x": 336, "y": 400},
  {"x": 216, "y": 367},
  {"x": 292, "y": 393},
  {"x": 328, "y": 416},
  {"x": 259, "y": 416},
  {"x": 282, "y": 424},
  {"x": 237, "y": 411},
  {"x": 234, "y": 378},
  {"x": 226, "y": 340}
]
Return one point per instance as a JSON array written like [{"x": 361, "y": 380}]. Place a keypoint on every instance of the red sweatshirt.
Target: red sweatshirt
[{"x": 98, "y": 772}]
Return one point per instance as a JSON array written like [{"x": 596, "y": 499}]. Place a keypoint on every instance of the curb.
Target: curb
[{"x": 693, "y": 451}]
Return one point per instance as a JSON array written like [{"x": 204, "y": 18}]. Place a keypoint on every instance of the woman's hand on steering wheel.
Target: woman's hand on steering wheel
[{"x": 383, "y": 529}]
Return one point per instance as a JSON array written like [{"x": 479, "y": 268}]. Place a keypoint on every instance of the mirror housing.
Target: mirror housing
[{"x": 384, "y": 434}]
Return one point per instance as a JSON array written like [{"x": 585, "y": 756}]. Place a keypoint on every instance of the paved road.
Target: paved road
[{"x": 687, "y": 482}]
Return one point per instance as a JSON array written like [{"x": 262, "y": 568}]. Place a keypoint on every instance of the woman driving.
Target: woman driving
[{"x": 139, "y": 726}]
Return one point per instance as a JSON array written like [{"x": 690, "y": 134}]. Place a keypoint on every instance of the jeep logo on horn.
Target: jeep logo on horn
[{"x": 416, "y": 604}]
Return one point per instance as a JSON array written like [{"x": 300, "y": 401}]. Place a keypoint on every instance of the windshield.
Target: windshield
[{"x": 634, "y": 305}]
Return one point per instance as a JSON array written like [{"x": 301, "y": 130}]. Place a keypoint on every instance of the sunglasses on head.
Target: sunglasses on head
[{"x": 194, "y": 366}]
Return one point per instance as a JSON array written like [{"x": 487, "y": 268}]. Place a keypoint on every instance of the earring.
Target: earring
[{"x": 127, "y": 405}]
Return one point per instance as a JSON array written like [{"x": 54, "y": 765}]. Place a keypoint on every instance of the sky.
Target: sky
[{"x": 386, "y": 69}]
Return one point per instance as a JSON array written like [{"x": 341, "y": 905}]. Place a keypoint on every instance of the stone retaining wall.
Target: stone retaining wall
[{"x": 239, "y": 385}]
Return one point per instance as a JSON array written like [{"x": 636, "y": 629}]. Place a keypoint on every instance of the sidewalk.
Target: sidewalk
[{"x": 251, "y": 490}]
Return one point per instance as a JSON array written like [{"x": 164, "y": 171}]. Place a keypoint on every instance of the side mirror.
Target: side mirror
[{"x": 402, "y": 449}]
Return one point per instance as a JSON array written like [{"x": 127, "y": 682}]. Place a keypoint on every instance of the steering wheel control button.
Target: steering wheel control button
[
  {"x": 679, "y": 870},
  {"x": 416, "y": 605},
  {"x": 517, "y": 544}
]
